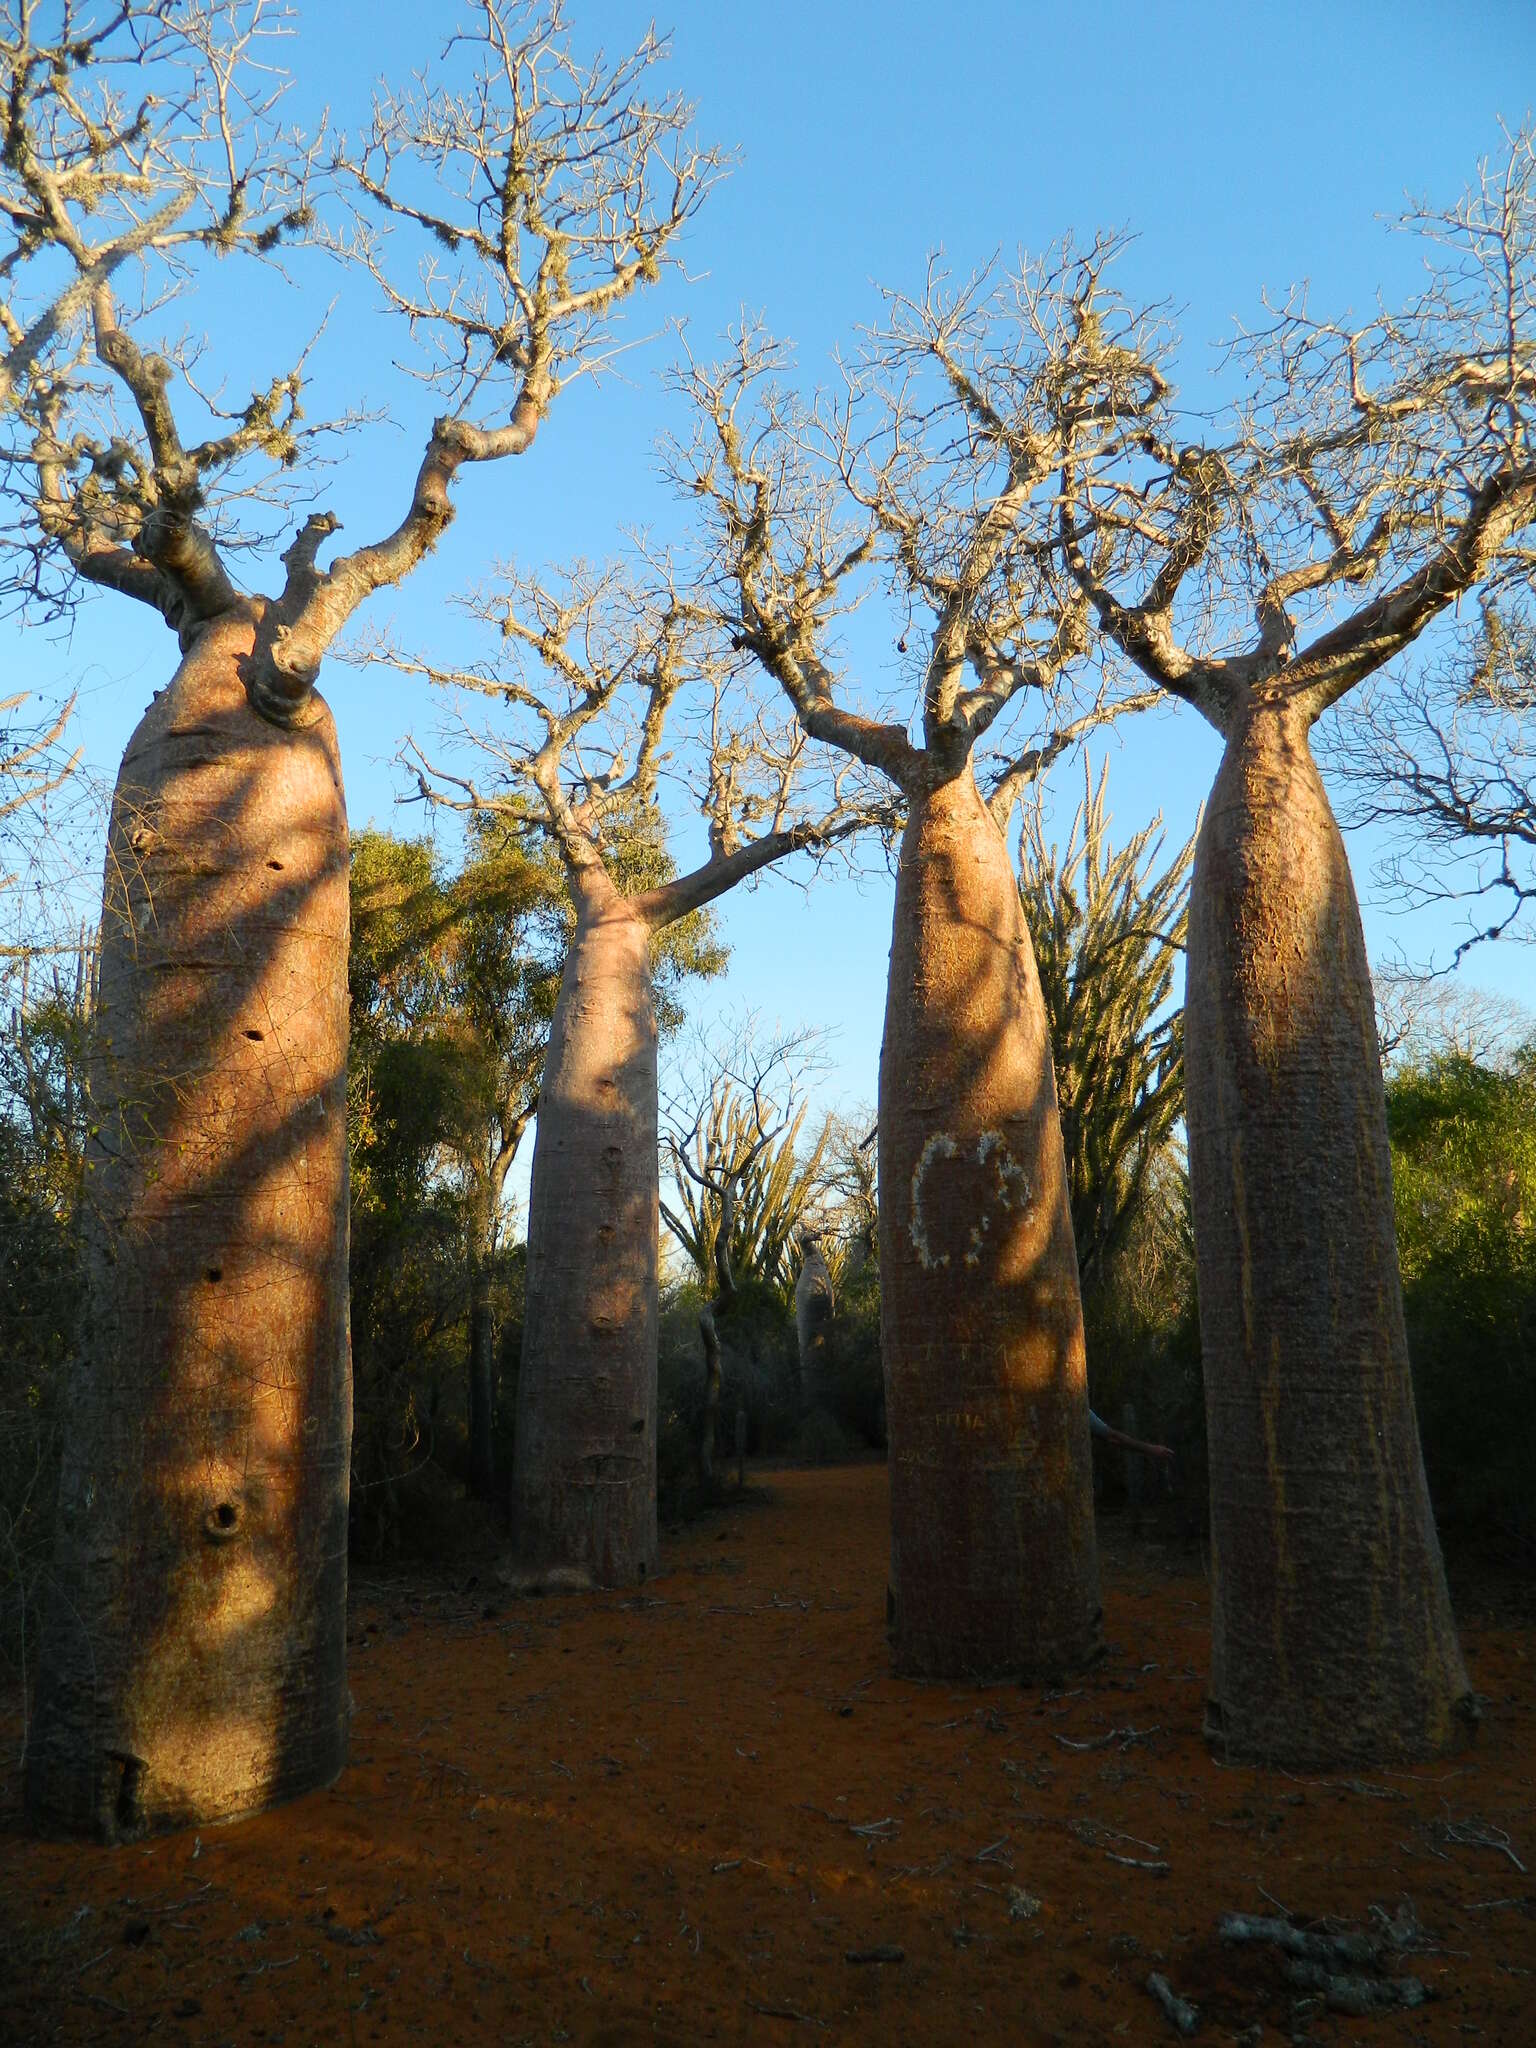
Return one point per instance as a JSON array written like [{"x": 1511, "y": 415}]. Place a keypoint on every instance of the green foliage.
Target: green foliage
[
  {"x": 43, "y": 1127},
  {"x": 41, "y": 1275},
  {"x": 1141, "y": 1324},
  {"x": 1107, "y": 932},
  {"x": 1464, "y": 1175},
  {"x": 454, "y": 979},
  {"x": 453, "y": 982}
]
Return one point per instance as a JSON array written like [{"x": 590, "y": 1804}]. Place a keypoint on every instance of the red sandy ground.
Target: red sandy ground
[{"x": 683, "y": 1817}]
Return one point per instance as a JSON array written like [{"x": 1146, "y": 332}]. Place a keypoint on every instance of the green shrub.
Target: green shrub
[
  {"x": 1464, "y": 1175},
  {"x": 1142, "y": 1329},
  {"x": 852, "y": 1373},
  {"x": 41, "y": 1279}
]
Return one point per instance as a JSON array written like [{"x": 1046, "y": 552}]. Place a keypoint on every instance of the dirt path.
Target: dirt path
[{"x": 680, "y": 1818}]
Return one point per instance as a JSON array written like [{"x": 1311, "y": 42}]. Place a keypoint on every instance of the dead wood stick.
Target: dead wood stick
[
  {"x": 1359, "y": 1996},
  {"x": 1185, "y": 2017},
  {"x": 785, "y": 2012},
  {"x": 1295, "y": 1941}
]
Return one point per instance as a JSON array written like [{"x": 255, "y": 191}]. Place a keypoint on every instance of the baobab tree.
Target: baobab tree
[
  {"x": 191, "y": 1662},
  {"x": 940, "y": 465},
  {"x": 1375, "y": 475},
  {"x": 599, "y": 668}
]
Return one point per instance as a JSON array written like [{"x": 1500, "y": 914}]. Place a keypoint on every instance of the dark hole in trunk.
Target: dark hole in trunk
[
  {"x": 256, "y": 1035},
  {"x": 215, "y": 1272}
]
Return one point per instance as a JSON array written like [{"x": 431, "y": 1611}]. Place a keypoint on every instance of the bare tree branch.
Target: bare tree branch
[
  {"x": 1369, "y": 478},
  {"x": 532, "y": 191}
]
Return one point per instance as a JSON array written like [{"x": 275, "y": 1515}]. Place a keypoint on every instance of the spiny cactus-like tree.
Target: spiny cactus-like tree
[
  {"x": 191, "y": 1663},
  {"x": 742, "y": 1190},
  {"x": 773, "y": 1181},
  {"x": 1108, "y": 933}
]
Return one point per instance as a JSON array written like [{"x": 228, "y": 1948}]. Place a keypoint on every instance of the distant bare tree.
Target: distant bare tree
[
  {"x": 938, "y": 467},
  {"x": 1421, "y": 1016},
  {"x": 607, "y": 680},
  {"x": 33, "y": 767},
  {"x": 192, "y": 1662},
  {"x": 1446, "y": 758}
]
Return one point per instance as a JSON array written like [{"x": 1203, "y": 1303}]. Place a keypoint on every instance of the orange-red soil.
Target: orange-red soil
[{"x": 684, "y": 1817}]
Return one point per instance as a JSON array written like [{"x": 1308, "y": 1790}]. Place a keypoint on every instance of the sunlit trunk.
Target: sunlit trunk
[
  {"x": 192, "y": 1660},
  {"x": 584, "y": 1477},
  {"x": 1333, "y": 1639},
  {"x": 994, "y": 1566}
]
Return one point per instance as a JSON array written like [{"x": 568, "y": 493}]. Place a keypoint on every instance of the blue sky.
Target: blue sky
[{"x": 1246, "y": 146}]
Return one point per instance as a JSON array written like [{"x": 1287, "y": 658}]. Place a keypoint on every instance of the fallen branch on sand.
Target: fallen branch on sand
[
  {"x": 1327, "y": 1949},
  {"x": 1126, "y": 1737},
  {"x": 1315, "y": 1959},
  {"x": 1185, "y": 2017},
  {"x": 1359, "y": 1996}
]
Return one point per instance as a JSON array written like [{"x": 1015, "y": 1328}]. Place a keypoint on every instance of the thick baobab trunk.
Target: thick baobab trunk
[
  {"x": 584, "y": 1466},
  {"x": 994, "y": 1565},
  {"x": 192, "y": 1662},
  {"x": 482, "y": 1378},
  {"x": 1333, "y": 1639},
  {"x": 813, "y": 1320}
]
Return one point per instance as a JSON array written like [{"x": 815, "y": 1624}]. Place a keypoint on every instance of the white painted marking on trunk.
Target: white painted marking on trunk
[{"x": 1013, "y": 1192}]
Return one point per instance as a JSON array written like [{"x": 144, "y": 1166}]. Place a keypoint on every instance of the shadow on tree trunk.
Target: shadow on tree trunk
[
  {"x": 192, "y": 1660},
  {"x": 993, "y": 1559},
  {"x": 1332, "y": 1633}
]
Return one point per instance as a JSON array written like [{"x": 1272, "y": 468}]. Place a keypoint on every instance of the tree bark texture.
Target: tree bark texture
[
  {"x": 584, "y": 1463},
  {"x": 192, "y": 1660},
  {"x": 993, "y": 1559},
  {"x": 1332, "y": 1636}
]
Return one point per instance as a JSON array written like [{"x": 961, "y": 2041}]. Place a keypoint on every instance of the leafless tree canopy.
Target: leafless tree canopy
[
  {"x": 610, "y": 681},
  {"x": 938, "y": 463},
  {"x": 504, "y": 213},
  {"x": 1421, "y": 1017},
  {"x": 1446, "y": 760},
  {"x": 1370, "y": 477},
  {"x": 34, "y": 770}
]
